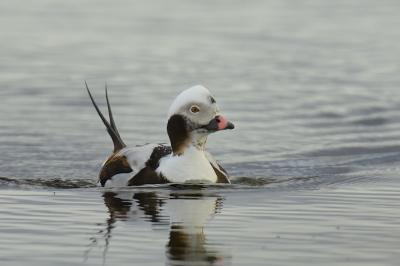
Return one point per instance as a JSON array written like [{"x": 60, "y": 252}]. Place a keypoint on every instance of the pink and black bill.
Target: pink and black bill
[{"x": 219, "y": 123}]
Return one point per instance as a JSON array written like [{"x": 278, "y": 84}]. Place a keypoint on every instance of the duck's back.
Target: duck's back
[{"x": 134, "y": 166}]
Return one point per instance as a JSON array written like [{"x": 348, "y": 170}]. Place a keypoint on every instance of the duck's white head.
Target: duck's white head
[{"x": 192, "y": 117}]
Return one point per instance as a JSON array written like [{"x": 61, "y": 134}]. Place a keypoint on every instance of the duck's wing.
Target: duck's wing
[
  {"x": 222, "y": 175},
  {"x": 134, "y": 166},
  {"x": 111, "y": 127},
  {"x": 148, "y": 174}
]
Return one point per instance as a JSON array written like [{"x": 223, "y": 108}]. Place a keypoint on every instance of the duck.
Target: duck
[{"x": 192, "y": 117}]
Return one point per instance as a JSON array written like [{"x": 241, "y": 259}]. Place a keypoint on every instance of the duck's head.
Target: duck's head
[{"x": 192, "y": 117}]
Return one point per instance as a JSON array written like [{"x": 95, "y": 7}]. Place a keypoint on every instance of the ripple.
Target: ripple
[
  {"x": 373, "y": 121},
  {"x": 263, "y": 181},
  {"x": 46, "y": 183}
]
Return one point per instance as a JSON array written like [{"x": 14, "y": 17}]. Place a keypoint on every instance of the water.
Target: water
[{"x": 312, "y": 88}]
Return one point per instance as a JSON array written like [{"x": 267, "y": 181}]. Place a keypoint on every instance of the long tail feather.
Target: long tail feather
[
  {"x": 111, "y": 129},
  {"x": 112, "y": 122}
]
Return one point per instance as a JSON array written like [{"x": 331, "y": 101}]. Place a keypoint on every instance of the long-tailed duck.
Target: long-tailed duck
[{"x": 192, "y": 117}]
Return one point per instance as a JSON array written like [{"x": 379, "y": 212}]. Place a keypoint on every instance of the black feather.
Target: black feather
[{"x": 111, "y": 129}]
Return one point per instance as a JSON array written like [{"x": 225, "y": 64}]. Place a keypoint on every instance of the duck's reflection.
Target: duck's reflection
[{"x": 183, "y": 212}]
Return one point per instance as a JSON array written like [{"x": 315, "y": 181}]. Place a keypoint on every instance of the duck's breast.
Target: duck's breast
[{"x": 192, "y": 165}]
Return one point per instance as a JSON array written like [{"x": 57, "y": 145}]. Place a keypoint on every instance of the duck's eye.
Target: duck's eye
[{"x": 194, "y": 109}]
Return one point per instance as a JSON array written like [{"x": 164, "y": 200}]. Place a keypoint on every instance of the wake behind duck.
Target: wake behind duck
[{"x": 192, "y": 117}]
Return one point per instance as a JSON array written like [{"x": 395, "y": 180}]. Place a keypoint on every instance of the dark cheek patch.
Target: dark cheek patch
[{"x": 178, "y": 133}]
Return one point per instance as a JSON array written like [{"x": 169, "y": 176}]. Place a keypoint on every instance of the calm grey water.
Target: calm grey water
[{"x": 313, "y": 88}]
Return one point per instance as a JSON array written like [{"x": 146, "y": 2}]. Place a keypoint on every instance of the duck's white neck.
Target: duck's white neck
[
  {"x": 192, "y": 164},
  {"x": 197, "y": 141}
]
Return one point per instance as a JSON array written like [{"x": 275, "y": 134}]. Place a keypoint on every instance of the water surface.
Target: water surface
[{"x": 312, "y": 88}]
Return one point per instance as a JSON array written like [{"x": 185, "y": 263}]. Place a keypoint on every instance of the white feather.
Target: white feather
[
  {"x": 136, "y": 158},
  {"x": 194, "y": 94},
  {"x": 192, "y": 165}
]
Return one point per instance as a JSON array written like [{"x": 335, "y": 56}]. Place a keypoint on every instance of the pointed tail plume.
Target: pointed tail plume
[{"x": 111, "y": 127}]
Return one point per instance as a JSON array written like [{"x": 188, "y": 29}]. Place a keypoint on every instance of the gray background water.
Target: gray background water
[{"x": 312, "y": 87}]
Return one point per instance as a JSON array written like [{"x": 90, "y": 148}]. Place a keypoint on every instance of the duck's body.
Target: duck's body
[{"x": 192, "y": 117}]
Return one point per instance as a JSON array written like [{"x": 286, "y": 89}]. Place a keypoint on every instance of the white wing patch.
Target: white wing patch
[{"x": 136, "y": 158}]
